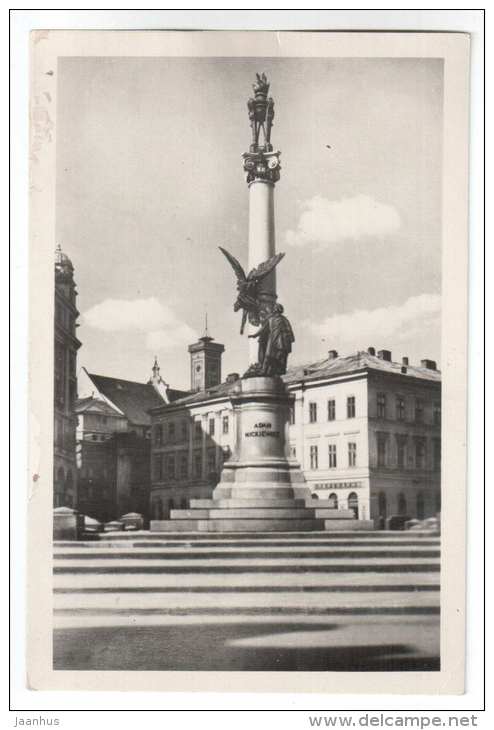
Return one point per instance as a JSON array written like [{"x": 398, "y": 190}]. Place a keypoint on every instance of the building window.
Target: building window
[
  {"x": 211, "y": 426},
  {"x": 333, "y": 500},
  {"x": 436, "y": 413},
  {"x": 184, "y": 430},
  {"x": 353, "y": 503},
  {"x": 197, "y": 429},
  {"x": 158, "y": 436},
  {"x": 437, "y": 454},
  {"x": 211, "y": 462},
  {"x": 381, "y": 449},
  {"x": 312, "y": 412},
  {"x": 332, "y": 456},
  {"x": 184, "y": 467},
  {"x": 401, "y": 451},
  {"x": 420, "y": 453},
  {"x": 171, "y": 431},
  {"x": 331, "y": 409},
  {"x": 313, "y": 457},
  {"x": 352, "y": 453},
  {"x": 226, "y": 424},
  {"x": 419, "y": 410},
  {"x": 420, "y": 506},
  {"x": 170, "y": 466},
  {"x": 197, "y": 465},
  {"x": 292, "y": 414},
  {"x": 400, "y": 408},
  {"x": 382, "y": 506},
  {"x": 402, "y": 504},
  {"x": 158, "y": 468},
  {"x": 350, "y": 406},
  {"x": 381, "y": 405}
]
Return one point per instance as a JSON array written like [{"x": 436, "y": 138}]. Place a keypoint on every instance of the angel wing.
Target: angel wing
[
  {"x": 239, "y": 272},
  {"x": 263, "y": 269}
]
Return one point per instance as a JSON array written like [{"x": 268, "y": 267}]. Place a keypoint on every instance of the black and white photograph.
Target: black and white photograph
[{"x": 249, "y": 379}]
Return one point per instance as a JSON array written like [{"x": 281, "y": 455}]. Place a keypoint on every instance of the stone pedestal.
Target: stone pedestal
[
  {"x": 68, "y": 524},
  {"x": 260, "y": 468}
]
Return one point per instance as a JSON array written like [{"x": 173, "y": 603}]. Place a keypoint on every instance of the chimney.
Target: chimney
[
  {"x": 332, "y": 355},
  {"x": 232, "y": 377},
  {"x": 371, "y": 351},
  {"x": 404, "y": 361},
  {"x": 384, "y": 355},
  {"x": 429, "y": 364}
]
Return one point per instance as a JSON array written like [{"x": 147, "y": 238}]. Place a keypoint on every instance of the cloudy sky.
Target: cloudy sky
[{"x": 150, "y": 183}]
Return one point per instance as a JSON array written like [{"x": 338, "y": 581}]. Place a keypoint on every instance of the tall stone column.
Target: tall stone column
[{"x": 262, "y": 168}]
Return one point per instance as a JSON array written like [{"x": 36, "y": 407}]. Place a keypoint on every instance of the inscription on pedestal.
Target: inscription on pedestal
[{"x": 262, "y": 429}]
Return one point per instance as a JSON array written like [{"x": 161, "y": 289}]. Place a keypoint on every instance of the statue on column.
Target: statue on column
[
  {"x": 248, "y": 298},
  {"x": 275, "y": 342}
]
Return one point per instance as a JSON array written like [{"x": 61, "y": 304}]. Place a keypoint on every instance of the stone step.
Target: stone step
[
  {"x": 227, "y": 567},
  {"x": 257, "y": 582},
  {"x": 241, "y": 503},
  {"x": 240, "y": 601},
  {"x": 246, "y": 513},
  {"x": 233, "y": 553},
  {"x": 237, "y": 525},
  {"x": 356, "y": 539},
  {"x": 337, "y": 525},
  {"x": 193, "y": 536},
  {"x": 301, "y": 581}
]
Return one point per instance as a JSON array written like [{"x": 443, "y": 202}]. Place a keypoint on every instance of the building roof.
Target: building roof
[
  {"x": 361, "y": 360},
  {"x": 92, "y": 404},
  {"x": 133, "y": 399},
  {"x": 322, "y": 369}
]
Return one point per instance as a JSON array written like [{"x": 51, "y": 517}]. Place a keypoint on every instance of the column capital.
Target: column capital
[{"x": 262, "y": 166}]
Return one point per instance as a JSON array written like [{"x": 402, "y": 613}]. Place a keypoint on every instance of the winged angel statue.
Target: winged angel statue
[{"x": 248, "y": 287}]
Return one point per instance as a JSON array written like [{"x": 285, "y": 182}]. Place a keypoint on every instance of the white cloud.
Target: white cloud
[
  {"x": 394, "y": 324},
  {"x": 161, "y": 326},
  {"x": 324, "y": 222}
]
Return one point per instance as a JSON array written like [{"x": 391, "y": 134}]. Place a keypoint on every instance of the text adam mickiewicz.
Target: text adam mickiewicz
[{"x": 262, "y": 429}]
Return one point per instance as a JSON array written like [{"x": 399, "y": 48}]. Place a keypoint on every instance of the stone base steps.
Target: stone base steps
[
  {"x": 244, "y": 524},
  {"x": 286, "y": 601},
  {"x": 145, "y": 537}
]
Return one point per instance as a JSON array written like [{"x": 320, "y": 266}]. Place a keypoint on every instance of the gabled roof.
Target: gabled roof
[
  {"x": 91, "y": 404},
  {"x": 133, "y": 399}
]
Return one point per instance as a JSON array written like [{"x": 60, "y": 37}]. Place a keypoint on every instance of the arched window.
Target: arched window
[
  {"x": 353, "y": 503},
  {"x": 333, "y": 500},
  {"x": 382, "y": 504},
  {"x": 420, "y": 506},
  {"x": 402, "y": 504},
  {"x": 314, "y": 496}
]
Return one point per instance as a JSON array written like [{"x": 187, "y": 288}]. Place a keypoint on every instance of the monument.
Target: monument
[{"x": 261, "y": 489}]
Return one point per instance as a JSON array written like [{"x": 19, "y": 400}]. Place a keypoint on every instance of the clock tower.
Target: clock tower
[{"x": 205, "y": 363}]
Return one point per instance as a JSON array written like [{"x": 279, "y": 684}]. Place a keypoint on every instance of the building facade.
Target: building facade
[
  {"x": 366, "y": 431},
  {"x": 113, "y": 443},
  {"x": 65, "y": 383}
]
